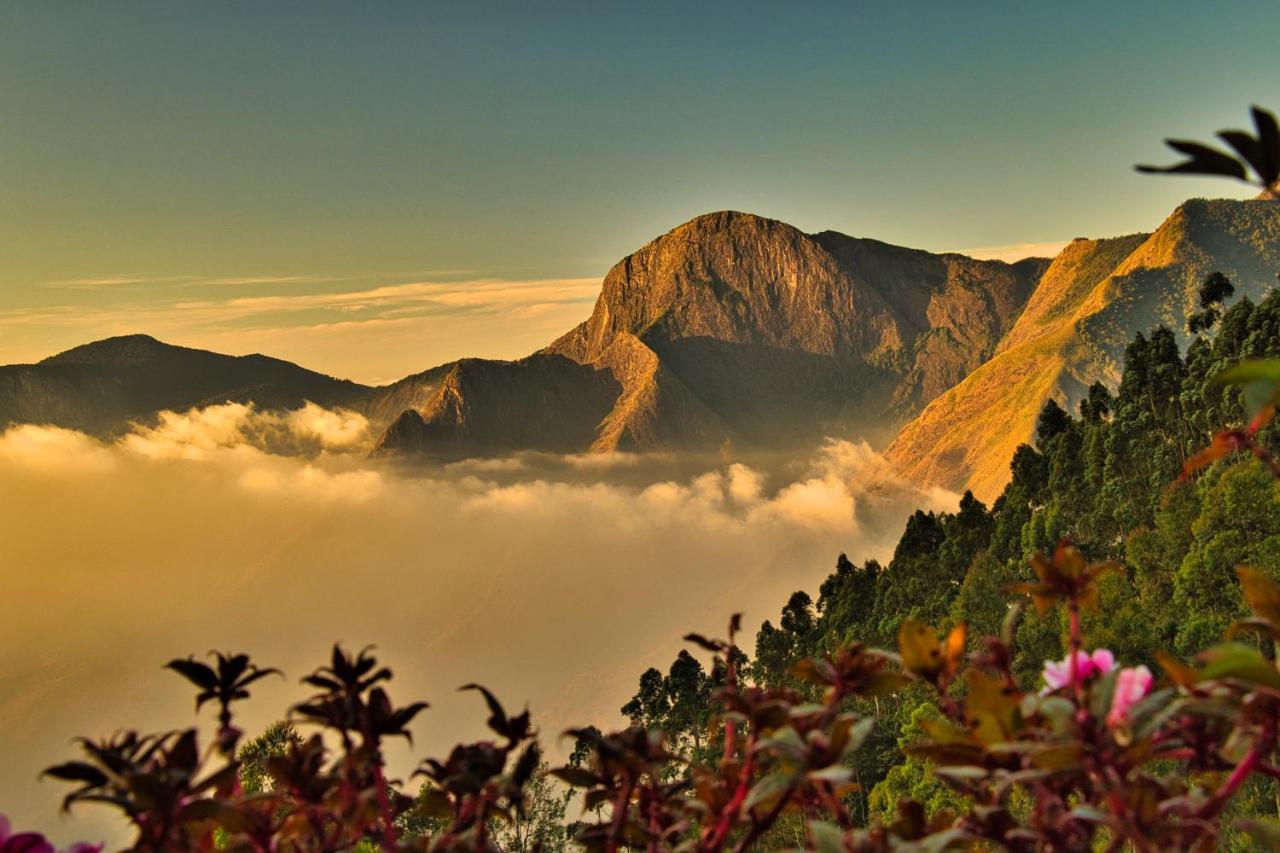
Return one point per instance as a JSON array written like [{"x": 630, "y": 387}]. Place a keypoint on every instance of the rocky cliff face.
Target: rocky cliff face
[
  {"x": 1095, "y": 295},
  {"x": 736, "y": 328}
]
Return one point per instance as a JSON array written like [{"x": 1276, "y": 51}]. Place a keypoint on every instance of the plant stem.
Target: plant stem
[
  {"x": 384, "y": 808},
  {"x": 725, "y": 822},
  {"x": 1074, "y": 644},
  {"x": 758, "y": 828},
  {"x": 1251, "y": 762},
  {"x": 620, "y": 808}
]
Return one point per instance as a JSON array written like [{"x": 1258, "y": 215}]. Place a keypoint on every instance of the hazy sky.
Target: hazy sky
[{"x": 166, "y": 166}]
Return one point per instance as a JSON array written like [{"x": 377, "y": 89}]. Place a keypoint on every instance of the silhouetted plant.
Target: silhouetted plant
[
  {"x": 1259, "y": 152},
  {"x": 1102, "y": 754},
  {"x": 224, "y": 683}
]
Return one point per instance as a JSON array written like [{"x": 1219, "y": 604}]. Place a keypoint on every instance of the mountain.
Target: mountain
[
  {"x": 730, "y": 328},
  {"x": 1092, "y": 299},
  {"x": 734, "y": 328},
  {"x": 101, "y": 387}
]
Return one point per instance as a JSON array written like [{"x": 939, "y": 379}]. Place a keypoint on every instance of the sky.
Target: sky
[{"x": 371, "y": 190}]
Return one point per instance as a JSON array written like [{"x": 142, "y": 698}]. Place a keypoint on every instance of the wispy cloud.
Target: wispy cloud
[
  {"x": 303, "y": 309},
  {"x": 482, "y": 293},
  {"x": 373, "y": 333},
  {"x": 141, "y": 281},
  {"x": 115, "y": 280},
  {"x": 271, "y": 279}
]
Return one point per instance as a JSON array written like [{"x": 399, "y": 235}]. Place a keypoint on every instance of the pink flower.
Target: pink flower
[
  {"x": 26, "y": 842},
  {"x": 1103, "y": 661},
  {"x": 1132, "y": 684},
  {"x": 34, "y": 842},
  {"x": 1057, "y": 674}
]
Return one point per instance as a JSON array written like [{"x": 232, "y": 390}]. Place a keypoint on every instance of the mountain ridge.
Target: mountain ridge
[
  {"x": 1096, "y": 295},
  {"x": 726, "y": 327},
  {"x": 736, "y": 330}
]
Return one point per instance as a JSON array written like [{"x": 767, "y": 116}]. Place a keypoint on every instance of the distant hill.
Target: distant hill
[
  {"x": 101, "y": 387},
  {"x": 1093, "y": 298}
]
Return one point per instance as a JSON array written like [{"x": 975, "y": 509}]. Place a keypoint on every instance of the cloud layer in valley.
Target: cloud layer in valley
[{"x": 553, "y": 580}]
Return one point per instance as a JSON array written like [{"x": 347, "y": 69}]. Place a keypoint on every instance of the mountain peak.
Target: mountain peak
[
  {"x": 119, "y": 351},
  {"x": 721, "y": 220},
  {"x": 742, "y": 312}
]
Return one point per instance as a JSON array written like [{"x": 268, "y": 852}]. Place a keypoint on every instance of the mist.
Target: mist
[{"x": 552, "y": 580}]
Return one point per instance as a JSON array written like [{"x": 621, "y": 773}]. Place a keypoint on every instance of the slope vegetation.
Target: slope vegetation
[{"x": 1072, "y": 333}]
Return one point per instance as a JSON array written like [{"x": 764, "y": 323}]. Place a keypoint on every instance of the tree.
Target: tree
[
  {"x": 650, "y": 704},
  {"x": 847, "y": 600},
  {"x": 278, "y": 739},
  {"x": 541, "y": 826},
  {"x": 1215, "y": 290},
  {"x": 778, "y": 648},
  {"x": 914, "y": 779},
  {"x": 1052, "y": 421},
  {"x": 689, "y": 693},
  {"x": 1097, "y": 404},
  {"x": 1237, "y": 525}
]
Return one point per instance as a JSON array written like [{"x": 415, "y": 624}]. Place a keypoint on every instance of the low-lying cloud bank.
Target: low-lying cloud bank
[{"x": 553, "y": 580}]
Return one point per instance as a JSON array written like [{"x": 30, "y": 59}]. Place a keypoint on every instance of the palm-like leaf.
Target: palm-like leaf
[
  {"x": 1260, "y": 152},
  {"x": 1203, "y": 160},
  {"x": 225, "y": 683}
]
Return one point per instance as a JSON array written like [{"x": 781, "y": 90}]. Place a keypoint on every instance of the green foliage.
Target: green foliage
[
  {"x": 913, "y": 779},
  {"x": 678, "y": 702},
  {"x": 541, "y": 825},
  {"x": 277, "y": 740},
  {"x": 1108, "y": 479}
]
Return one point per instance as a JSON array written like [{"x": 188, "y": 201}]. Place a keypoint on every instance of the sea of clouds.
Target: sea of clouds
[{"x": 554, "y": 580}]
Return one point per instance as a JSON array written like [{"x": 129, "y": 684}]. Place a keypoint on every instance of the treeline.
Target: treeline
[{"x": 1107, "y": 477}]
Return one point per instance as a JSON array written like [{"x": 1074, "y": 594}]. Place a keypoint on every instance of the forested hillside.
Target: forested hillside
[
  {"x": 1086, "y": 307},
  {"x": 1107, "y": 477}
]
